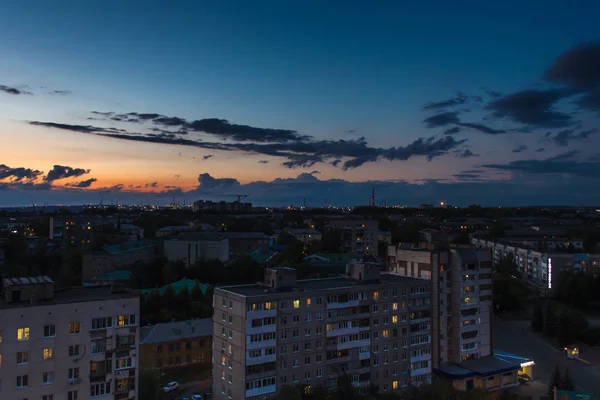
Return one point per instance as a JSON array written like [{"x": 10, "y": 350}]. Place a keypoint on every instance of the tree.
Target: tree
[
  {"x": 549, "y": 321},
  {"x": 288, "y": 392},
  {"x": 554, "y": 382},
  {"x": 564, "y": 330},
  {"x": 148, "y": 385},
  {"x": 345, "y": 389},
  {"x": 566, "y": 383},
  {"x": 182, "y": 303},
  {"x": 537, "y": 319},
  {"x": 197, "y": 294}
]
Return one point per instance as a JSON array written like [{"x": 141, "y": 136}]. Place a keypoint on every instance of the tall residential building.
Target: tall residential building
[
  {"x": 374, "y": 327},
  {"x": 72, "y": 344},
  {"x": 358, "y": 235}
]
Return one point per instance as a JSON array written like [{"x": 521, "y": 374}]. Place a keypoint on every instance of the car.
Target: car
[
  {"x": 524, "y": 378},
  {"x": 169, "y": 387},
  {"x": 197, "y": 396}
]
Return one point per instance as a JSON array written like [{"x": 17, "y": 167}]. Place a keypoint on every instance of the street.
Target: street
[
  {"x": 188, "y": 389},
  {"x": 515, "y": 337}
]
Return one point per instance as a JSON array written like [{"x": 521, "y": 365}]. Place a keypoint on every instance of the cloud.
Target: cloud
[
  {"x": 18, "y": 174},
  {"x": 451, "y": 118},
  {"x": 77, "y": 128},
  {"x": 62, "y": 172},
  {"x": 61, "y": 92},
  {"x": 532, "y": 107},
  {"x": 466, "y": 176},
  {"x": 482, "y": 128},
  {"x": 578, "y": 67},
  {"x": 520, "y": 149},
  {"x": 460, "y": 98},
  {"x": 315, "y": 172},
  {"x": 207, "y": 182},
  {"x": 466, "y": 153},
  {"x": 560, "y": 164},
  {"x": 452, "y": 131},
  {"x": 590, "y": 100},
  {"x": 208, "y": 156},
  {"x": 151, "y": 185},
  {"x": 12, "y": 90},
  {"x": 564, "y": 137},
  {"x": 83, "y": 184},
  {"x": 263, "y": 161},
  {"x": 541, "y": 149}
]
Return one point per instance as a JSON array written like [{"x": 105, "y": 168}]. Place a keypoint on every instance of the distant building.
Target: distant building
[
  {"x": 358, "y": 235},
  {"x": 75, "y": 343},
  {"x": 101, "y": 262},
  {"x": 177, "y": 344},
  {"x": 240, "y": 243},
  {"x": 131, "y": 230},
  {"x": 196, "y": 246},
  {"x": 284, "y": 331},
  {"x": 304, "y": 235},
  {"x": 74, "y": 231},
  {"x": 200, "y": 205},
  {"x": 172, "y": 230}
]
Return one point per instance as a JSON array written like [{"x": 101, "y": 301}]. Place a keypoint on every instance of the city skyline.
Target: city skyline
[{"x": 148, "y": 103}]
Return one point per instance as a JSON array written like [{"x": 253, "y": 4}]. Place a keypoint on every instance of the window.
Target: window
[
  {"x": 49, "y": 331},
  {"x": 23, "y": 334},
  {"x": 74, "y": 373},
  {"x": 74, "y": 327},
  {"x": 22, "y": 381},
  {"x": 99, "y": 389},
  {"x": 101, "y": 323},
  {"x": 319, "y": 372},
  {"x": 308, "y": 302},
  {"x": 73, "y": 350},
  {"x": 47, "y": 378},
  {"x": 296, "y": 303},
  {"x": 22, "y": 357},
  {"x": 124, "y": 363},
  {"x": 394, "y": 319},
  {"x": 126, "y": 320},
  {"x": 48, "y": 354},
  {"x": 73, "y": 395},
  {"x": 375, "y": 295},
  {"x": 307, "y": 375}
]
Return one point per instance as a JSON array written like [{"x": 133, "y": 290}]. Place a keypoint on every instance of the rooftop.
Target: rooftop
[
  {"x": 177, "y": 287},
  {"x": 179, "y": 330},
  {"x": 484, "y": 366},
  {"x": 321, "y": 284},
  {"x": 77, "y": 295},
  {"x": 117, "y": 275},
  {"x": 34, "y": 280},
  {"x": 127, "y": 246}
]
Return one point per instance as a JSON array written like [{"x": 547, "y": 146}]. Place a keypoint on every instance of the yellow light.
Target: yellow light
[{"x": 296, "y": 303}]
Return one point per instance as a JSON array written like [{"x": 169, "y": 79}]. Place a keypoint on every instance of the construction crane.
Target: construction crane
[{"x": 240, "y": 197}]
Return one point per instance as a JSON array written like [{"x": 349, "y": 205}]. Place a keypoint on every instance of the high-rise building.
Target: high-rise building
[
  {"x": 374, "y": 327},
  {"x": 358, "y": 235},
  {"x": 71, "y": 344}
]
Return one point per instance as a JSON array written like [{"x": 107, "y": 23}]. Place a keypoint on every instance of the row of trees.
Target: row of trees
[
  {"x": 560, "y": 381},
  {"x": 562, "y": 324},
  {"x": 578, "y": 289},
  {"x": 509, "y": 291},
  {"x": 179, "y": 306}
]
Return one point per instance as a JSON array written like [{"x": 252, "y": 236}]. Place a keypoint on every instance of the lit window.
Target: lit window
[
  {"x": 48, "y": 354},
  {"x": 375, "y": 295},
  {"x": 395, "y": 319},
  {"x": 395, "y": 385},
  {"x": 395, "y": 306},
  {"x": 74, "y": 327},
  {"x": 308, "y": 302},
  {"x": 23, "y": 334},
  {"x": 296, "y": 303},
  {"x": 385, "y": 333}
]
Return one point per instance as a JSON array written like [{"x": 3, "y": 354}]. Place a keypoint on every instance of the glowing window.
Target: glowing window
[{"x": 296, "y": 303}]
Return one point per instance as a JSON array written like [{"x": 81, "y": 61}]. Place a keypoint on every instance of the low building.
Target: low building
[
  {"x": 241, "y": 243},
  {"x": 101, "y": 262},
  {"x": 304, "y": 235},
  {"x": 132, "y": 231},
  {"x": 172, "y": 230},
  {"x": 73, "y": 343},
  {"x": 488, "y": 373},
  {"x": 197, "y": 246},
  {"x": 177, "y": 344}
]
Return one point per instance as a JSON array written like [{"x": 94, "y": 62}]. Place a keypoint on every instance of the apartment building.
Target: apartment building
[
  {"x": 374, "y": 327},
  {"x": 358, "y": 235},
  {"x": 177, "y": 344},
  {"x": 74, "y": 231},
  {"x": 196, "y": 246},
  {"x": 72, "y": 344},
  {"x": 99, "y": 263},
  {"x": 304, "y": 235}
]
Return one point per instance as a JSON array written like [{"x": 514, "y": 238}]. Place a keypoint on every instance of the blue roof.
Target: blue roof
[
  {"x": 117, "y": 275},
  {"x": 127, "y": 246},
  {"x": 483, "y": 367}
]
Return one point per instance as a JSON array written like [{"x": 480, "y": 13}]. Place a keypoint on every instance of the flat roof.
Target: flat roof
[
  {"x": 76, "y": 295},
  {"x": 33, "y": 280},
  {"x": 179, "y": 330},
  {"x": 483, "y": 367},
  {"x": 321, "y": 284}
]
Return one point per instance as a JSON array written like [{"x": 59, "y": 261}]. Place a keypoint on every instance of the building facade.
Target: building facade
[
  {"x": 99, "y": 263},
  {"x": 192, "y": 247},
  {"x": 376, "y": 328},
  {"x": 71, "y": 344},
  {"x": 358, "y": 235},
  {"x": 177, "y": 344}
]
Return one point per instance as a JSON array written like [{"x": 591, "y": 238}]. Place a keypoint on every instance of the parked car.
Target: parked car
[
  {"x": 197, "y": 396},
  {"x": 169, "y": 387}
]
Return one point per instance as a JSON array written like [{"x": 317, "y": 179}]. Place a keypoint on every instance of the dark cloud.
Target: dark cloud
[
  {"x": 263, "y": 161},
  {"x": 460, "y": 98},
  {"x": 520, "y": 149},
  {"x": 336, "y": 162},
  {"x": 452, "y": 131},
  {"x": 315, "y": 172},
  {"x": 578, "y": 67},
  {"x": 560, "y": 164},
  {"x": 541, "y": 149},
  {"x": 242, "y": 133},
  {"x": 465, "y": 176},
  {"x": 208, "y": 156},
  {"x": 18, "y": 174},
  {"x": 466, "y": 153},
  {"x": 61, "y": 92},
  {"x": 443, "y": 119},
  {"x": 83, "y": 184},
  {"x": 564, "y": 137},
  {"x": 62, "y": 172},
  {"x": 482, "y": 128},
  {"x": 12, "y": 90},
  {"x": 77, "y": 128},
  {"x": 151, "y": 185},
  {"x": 532, "y": 107},
  {"x": 590, "y": 100},
  {"x": 207, "y": 182},
  {"x": 493, "y": 93}
]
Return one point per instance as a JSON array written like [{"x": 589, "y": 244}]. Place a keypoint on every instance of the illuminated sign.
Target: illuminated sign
[{"x": 549, "y": 273}]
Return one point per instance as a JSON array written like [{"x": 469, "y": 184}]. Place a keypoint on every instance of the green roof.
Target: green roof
[
  {"x": 262, "y": 256},
  {"x": 127, "y": 246},
  {"x": 178, "y": 287},
  {"x": 334, "y": 258},
  {"x": 117, "y": 275}
]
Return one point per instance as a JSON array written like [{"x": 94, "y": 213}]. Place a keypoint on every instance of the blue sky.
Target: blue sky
[{"x": 331, "y": 70}]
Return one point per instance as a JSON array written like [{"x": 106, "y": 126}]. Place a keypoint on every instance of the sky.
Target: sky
[{"x": 468, "y": 102}]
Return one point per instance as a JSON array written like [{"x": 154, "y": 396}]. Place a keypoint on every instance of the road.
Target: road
[
  {"x": 514, "y": 337},
  {"x": 188, "y": 389}
]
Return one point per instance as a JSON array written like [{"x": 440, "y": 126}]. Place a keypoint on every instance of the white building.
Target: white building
[{"x": 197, "y": 246}]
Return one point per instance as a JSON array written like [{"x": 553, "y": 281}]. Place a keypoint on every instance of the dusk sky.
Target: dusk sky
[{"x": 496, "y": 103}]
